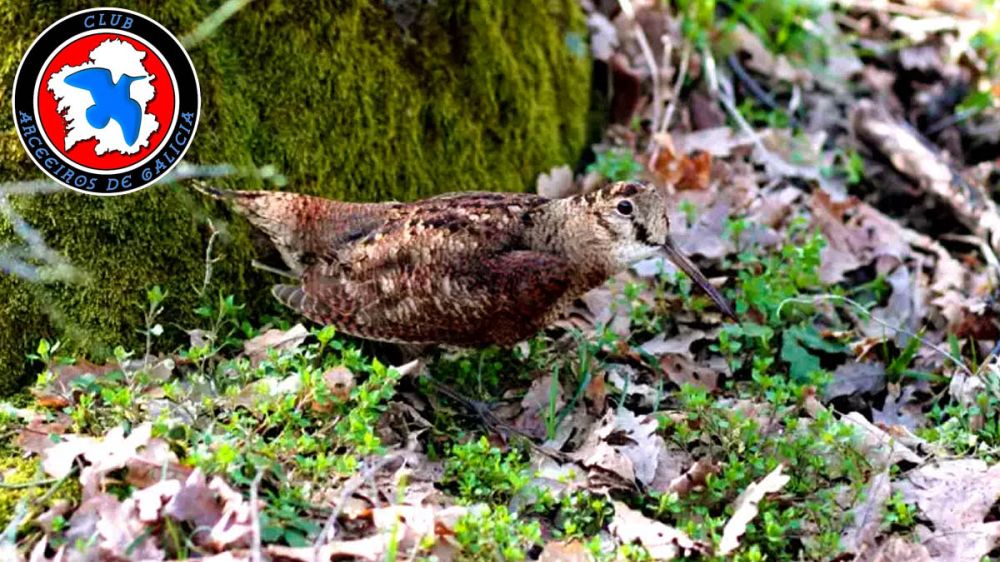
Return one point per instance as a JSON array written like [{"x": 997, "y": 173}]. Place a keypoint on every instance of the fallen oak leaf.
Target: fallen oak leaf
[
  {"x": 58, "y": 392},
  {"x": 661, "y": 541},
  {"x": 624, "y": 445},
  {"x": 571, "y": 551},
  {"x": 957, "y": 497},
  {"x": 679, "y": 344},
  {"x": 866, "y": 515},
  {"x": 682, "y": 370},
  {"x": 745, "y": 508},
  {"x": 258, "y": 347},
  {"x": 694, "y": 477},
  {"x": 40, "y": 434},
  {"x": 881, "y": 448}
]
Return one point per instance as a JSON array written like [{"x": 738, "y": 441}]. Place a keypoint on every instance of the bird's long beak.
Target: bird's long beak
[{"x": 692, "y": 271}]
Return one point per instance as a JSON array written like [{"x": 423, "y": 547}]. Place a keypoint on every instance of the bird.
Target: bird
[
  {"x": 111, "y": 100},
  {"x": 463, "y": 270}
]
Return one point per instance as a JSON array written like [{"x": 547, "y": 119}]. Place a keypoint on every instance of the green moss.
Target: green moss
[
  {"x": 19, "y": 470},
  {"x": 475, "y": 94}
]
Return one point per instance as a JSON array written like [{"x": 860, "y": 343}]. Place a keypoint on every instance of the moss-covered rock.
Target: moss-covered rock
[
  {"x": 15, "y": 471},
  {"x": 353, "y": 99}
]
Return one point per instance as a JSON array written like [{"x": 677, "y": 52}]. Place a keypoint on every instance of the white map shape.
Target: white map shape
[{"x": 120, "y": 58}]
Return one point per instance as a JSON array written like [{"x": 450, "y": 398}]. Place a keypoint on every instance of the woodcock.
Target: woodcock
[{"x": 464, "y": 269}]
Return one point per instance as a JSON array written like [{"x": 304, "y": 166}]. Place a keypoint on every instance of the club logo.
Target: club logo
[{"x": 106, "y": 101}]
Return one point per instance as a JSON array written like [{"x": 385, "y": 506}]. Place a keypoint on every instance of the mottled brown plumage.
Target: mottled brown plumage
[{"x": 465, "y": 269}]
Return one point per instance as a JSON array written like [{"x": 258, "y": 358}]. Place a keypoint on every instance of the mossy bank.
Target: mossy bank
[{"x": 361, "y": 100}]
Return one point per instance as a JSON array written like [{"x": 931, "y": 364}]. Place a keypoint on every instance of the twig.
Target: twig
[
  {"x": 678, "y": 84},
  {"x": 953, "y": 119},
  {"x": 894, "y": 8},
  {"x": 36, "y": 249},
  {"x": 22, "y": 485},
  {"x": 723, "y": 88},
  {"x": 207, "y": 26},
  {"x": 209, "y": 260},
  {"x": 812, "y": 299},
  {"x": 647, "y": 53},
  {"x": 9, "y": 537},
  {"x": 350, "y": 487},
  {"x": 984, "y": 247},
  {"x": 756, "y": 90},
  {"x": 912, "y": 155},
  {"x": 36, "y": 187},
  {"x": 255, "y": 553}
]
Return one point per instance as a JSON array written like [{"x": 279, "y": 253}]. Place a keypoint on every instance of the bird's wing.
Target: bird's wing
[
  {"x": 499, "y": 298},
  {"x": 440, "y": 230},
  {"x": 95, "y": 80}
]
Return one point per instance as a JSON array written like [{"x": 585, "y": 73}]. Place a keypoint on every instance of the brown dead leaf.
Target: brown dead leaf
[
  {"x": 196, "y": 503},
  {"x": 679, "y": 344},
  {"x": 596, "y": 392},
  {"x": 898, "y": 549},
  {"x": 901, "y": 309},
  {"x": 339, "y": 381},
  {"x": 762, "y": 60},
  {"x": 660, "y": 540},
  {"x": 565, "y": 551},
  {"x": 283, "y": 340},
  {"x": 866, "y": 515},
  {"x": 603, "y": 37},
  {"x": 40, "y": 434},
  {"x": 708, "y": 236},
  {"x": 879, "y": 447},
  {"x": 623, "y": 378},
  {"x": 557, "y": 183},
  {"x": 624, "y": 445},
  {"x": 682, "y": 370},
  {"x": 854, "y": 378},
  {"x": 683, "y": 171},
  {"x": 536, "y": 402},
  {"x": 956, "y": 497},
  {"x": 693, "y": 478},
  {"x": 718, "y": 141},
  {"x": 58, "y": 393},
  {"x": 745, "y": 508}
]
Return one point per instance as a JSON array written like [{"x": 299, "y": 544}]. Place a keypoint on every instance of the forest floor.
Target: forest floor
[{"x": 834, "y": 170}]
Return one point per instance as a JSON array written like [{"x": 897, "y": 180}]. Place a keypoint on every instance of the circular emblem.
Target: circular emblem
[{"x": 106, "y": 101}]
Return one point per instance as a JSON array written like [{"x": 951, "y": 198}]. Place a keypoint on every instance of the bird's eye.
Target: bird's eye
[{"x": 625, "y": 207}]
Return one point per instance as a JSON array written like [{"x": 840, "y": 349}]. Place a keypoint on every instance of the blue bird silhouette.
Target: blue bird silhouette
[{"x": 111, "y": 101}]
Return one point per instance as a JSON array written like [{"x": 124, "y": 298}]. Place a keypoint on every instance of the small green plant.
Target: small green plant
[
  {"x": 492, "y": 533},
  {"x": 759, "y": 115},
  {"x": 581, "y": 515},
  {"x": 154, "y": 307},
  {"x": 900, "y": 515},
  {"x": 481, "y": 472},
  {"x": 616, "y": 164},
  {"x": 783, "y": 26}
]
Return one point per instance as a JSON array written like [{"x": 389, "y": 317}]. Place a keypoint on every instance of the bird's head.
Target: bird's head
[{"x": 630, "y": 219}]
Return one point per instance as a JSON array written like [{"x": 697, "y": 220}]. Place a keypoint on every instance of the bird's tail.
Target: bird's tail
[{"x": 300, "y": 226}]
